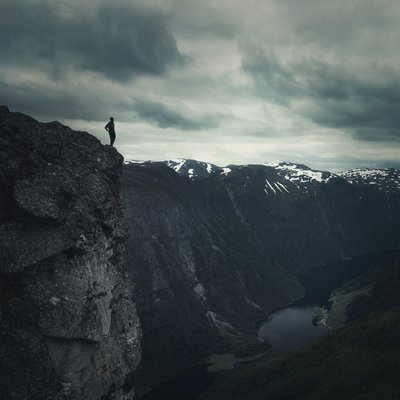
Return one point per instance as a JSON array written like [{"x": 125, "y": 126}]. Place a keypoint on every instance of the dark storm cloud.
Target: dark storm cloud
[
  {"x": 204, "y": 19},
  {"x": 365, "y": 103},
  {"x": 165, "y": 117},
  {"x": 117, "y": 39},
  {"x": 271, "y": 79},
  {"x": 341, "y": 24},
  {"x": 49, "y": 104}
]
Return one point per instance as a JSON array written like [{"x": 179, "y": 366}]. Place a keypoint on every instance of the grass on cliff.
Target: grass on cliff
[{"x": 237, "y": 349}]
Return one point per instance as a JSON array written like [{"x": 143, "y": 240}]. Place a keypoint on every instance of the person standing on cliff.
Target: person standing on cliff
[{"x": 111, "y": 130}]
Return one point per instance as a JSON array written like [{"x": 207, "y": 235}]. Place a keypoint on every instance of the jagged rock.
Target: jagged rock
[{"x": 68, "y": 324}]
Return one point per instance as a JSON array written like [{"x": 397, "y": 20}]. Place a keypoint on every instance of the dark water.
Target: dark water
[
  {"x": 285, "y": 329},
  {"x": 290, "y": 328}
]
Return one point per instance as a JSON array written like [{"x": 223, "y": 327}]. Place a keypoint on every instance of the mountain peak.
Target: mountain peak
[
  {"x": 300, "y": 173},
  {"x": 387, "y": 179},
  {"x": 193, "y": 168}
]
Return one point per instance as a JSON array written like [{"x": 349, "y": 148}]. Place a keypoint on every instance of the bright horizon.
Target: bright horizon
[{"x": 308, "y": 82}]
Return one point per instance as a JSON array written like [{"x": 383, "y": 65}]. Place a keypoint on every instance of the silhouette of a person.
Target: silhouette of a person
[{"x": 111, "y": 130}]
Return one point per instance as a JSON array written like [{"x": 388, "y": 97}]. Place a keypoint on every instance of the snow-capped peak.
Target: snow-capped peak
[
  {"x": 299, "y": 173},
  {"x": 193, "y": 169},
  {"x": 225, "y": 171},
  {"x": 387, "y": 179},
  {"x": 176, "y": 165}
]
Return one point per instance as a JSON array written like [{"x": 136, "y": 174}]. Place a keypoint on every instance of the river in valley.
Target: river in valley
[
  {"x": 285, "y": 329},
  {"x": 290, "y": 328}
]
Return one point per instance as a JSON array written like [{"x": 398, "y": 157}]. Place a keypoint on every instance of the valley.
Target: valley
[
  {"x": 291, "y": 334},
  {"x": 356, "y": 361},
  {"x": 222, "y": 248}
]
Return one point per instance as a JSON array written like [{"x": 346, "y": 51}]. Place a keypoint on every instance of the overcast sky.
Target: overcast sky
[{"x": 227, "y": 81}]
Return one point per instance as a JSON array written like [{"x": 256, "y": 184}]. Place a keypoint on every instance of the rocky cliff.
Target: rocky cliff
[{"x": 68, "y": 324}]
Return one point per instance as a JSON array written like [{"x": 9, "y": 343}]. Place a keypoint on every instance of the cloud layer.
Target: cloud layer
[
  {"x": 165, "y": 117},
  {"x": 119, "y": 40},
  {"x": 228, "y": 82},
  {"x": 330, "y": 95}
]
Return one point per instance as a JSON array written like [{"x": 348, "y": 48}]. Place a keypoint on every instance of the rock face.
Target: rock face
[
  {"x": 201, "y": 271},
  {"x": 308, "y": 217},
  {"x": 68, "y": 324}
]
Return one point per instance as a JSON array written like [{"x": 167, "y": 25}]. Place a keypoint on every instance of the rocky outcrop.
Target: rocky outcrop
[{"x": 68, "y": 324}]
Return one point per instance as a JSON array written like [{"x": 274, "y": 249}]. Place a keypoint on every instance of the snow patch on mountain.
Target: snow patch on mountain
[
  {"x": 283, "y": 187},
  {"x": 192, "y": 168},
  {"x": 127, "y": 162},
  {"x": 270, "y": 186},
  {"x": 387, "y": 179},
  {"x": 276, "y": 188},
  {"x": 176, "y": 165},
  {"x": 298, "y": 173},
  {"x": 225, "y": 171}
]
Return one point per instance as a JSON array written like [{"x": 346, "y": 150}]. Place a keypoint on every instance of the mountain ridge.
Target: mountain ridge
[{"x": 294, "y": 172}]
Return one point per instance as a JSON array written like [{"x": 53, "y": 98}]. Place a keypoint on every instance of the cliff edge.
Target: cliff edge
[{"x": 68, "y": 324}]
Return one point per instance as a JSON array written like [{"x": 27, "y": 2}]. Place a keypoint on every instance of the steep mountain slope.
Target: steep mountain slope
[
  {"x": 200, "y": 272},
  {"x": 309, "y": 217},
  {"x": 214, "y": 250},
  {"x": 68, "y": 324}
]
